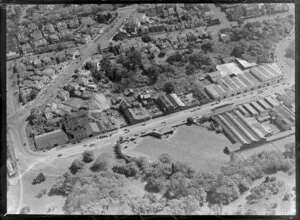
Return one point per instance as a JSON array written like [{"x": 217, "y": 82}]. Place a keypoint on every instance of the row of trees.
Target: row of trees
[{"x": 184, "y": 190}]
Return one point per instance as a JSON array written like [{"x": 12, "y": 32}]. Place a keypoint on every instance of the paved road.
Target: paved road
[
  {"x": 28, "y": 159},
  {"x": 170, "y": 120},
  {"x": 280, "y": 58}
]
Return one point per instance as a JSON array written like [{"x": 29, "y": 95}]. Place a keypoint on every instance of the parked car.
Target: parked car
[{"x": 59, "y": 155}]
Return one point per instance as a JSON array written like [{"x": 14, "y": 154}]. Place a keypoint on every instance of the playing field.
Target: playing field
[{"x": 198, "y": 147}]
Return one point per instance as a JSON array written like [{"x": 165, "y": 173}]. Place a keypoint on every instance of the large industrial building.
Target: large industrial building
[
  {"x": 254, "y": 121},
  {"x": 236, "y": 78},
  {"x": 50, "y": 139}
]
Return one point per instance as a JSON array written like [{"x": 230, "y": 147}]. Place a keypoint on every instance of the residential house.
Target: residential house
[
  {"x": 61, "y": 26},
  {"x": 49, "y": 29},
  {"x": 39, "y": 43},
  {"x": 86, "y": 38},
  {"x": 78, "y": 134},
  {"x": 82, "y": 81},
  {"x": 25, "y": 94},
  {"x": 251, "y": 10},
  {"x": 65, "y": 108},
  {"x": 61, "y": 58},
  {"x": 144, "y": 29},
  {"x": 65, "y": 35},
  {"x": 39, "y": 85},
  {"x": 48, "y": 72},
  {"x": 235, "y": 13},
  {"x": 224, "y": 38},
  {"x": 201, "y": 95},
  {"x": 47, "y": 60},
  {"x": 208, "y": 15},
  {"x": 26, "y": 49},
  {"x": 36, "y": 35},
  {"x": 165, "y": 104},
  {"x": 74, "y": 23},
  {"x": 37, "y": 63},
  {"x": 134, "y": 115},
  {"x": 53, "y": 38},
  {"x": 23, "y": 39},
  {"x": 214, "y": 35},
  {"x": 48, "y": 113},
  {"x": 32, "y": 27},
  {"x": 74, "y": 85},
  {"x": 213, "y": 21},
  {"x": 63, "y": 95},
  {"x": 150, "y": 12},
  {"x": 95, "y": 128},
  {"x": 176, "y": 101},
  {"x": 87, "y": 21},
  {"x": 52, "y": 106}
]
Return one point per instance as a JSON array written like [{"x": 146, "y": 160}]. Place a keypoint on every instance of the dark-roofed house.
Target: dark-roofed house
[
  {"x": 74, "y": 23},
  {"x": 201, "y": 95},
  {"x": 212, "y": 76},
  {"x": 228, "y": 59},
  {"x": 50, "y": 139},
  {"x": 78, "y": 134},
  {"x": 94, "y": 128},
  {"x": 165, "y": 104}
]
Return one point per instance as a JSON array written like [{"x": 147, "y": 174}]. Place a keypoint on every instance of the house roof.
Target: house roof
[
  {"x": 50, "y": 139},
  {"x": 94, "y": 127}
]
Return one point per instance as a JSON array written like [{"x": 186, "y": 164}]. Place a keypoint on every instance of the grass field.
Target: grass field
[
  {"x": 101, "y": 102},
  {"x": 198, "y": 147},
  {"x": 275, "y": 145}
]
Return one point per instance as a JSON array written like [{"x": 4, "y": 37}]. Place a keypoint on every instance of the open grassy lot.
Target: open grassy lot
[
  {"x": 198, "y": 147},
  {"x": 275, "y": 145}
]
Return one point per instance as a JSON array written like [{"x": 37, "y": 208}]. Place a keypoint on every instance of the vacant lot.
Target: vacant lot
[
  {"x": 198, "y": 147},
  {"x": 101, "y": 102}
]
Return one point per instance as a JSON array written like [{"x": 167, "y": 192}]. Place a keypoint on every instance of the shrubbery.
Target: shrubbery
[
  {"x": 39, "y": 179},
  {"x": 102, "y": 163},
  {"x": 87, "y": 156},
  {"x": 63, "y": 185},
  {"x": 76, "y": 166}
]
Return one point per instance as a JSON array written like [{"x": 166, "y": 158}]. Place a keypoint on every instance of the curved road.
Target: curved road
[
  {"x": 16, "y": 122},
  {"x": 28, "y": 159}
]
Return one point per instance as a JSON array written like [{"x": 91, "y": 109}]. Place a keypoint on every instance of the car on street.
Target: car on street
[
  {"x": 143, "y": 124},
  {"x": 59, "y": 155}
]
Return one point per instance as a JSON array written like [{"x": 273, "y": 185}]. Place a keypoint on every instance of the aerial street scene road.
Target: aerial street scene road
[{"x": 151, "y": 109}]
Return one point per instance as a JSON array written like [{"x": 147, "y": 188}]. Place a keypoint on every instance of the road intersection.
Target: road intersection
[{"x": 29, "y": 159}]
